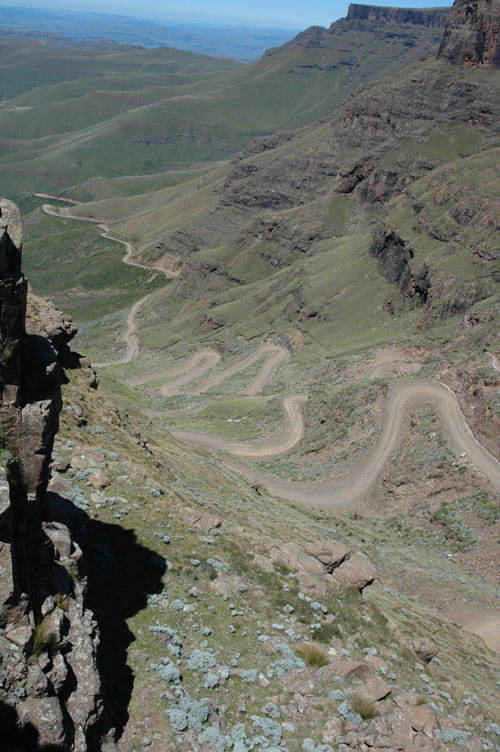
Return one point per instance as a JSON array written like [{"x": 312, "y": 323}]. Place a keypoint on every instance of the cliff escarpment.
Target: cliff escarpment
[
  {"x": 416, "y": 16},
  {"x": 472, "y": 34}
]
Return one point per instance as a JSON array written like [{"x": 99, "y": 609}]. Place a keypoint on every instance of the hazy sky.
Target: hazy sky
[{"x": 295, "y": 14}]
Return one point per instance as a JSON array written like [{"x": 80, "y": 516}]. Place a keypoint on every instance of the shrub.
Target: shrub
[
  {"x": 312, "y": 654},
  {"x": 362, "y": 705}
]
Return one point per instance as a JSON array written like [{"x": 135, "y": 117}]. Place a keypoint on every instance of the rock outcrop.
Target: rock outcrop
[
  {"x": 397, "y": 264},
  {"x": 417, "y": 16},
  {"x": 50, "y": 689},
  {"x": 472, "y": 34}
]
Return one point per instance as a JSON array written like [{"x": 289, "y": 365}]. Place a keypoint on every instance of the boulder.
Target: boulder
[
  {"x": 20, "y": 636},
  {"x": 61, "y": 466},
  {"x": 374, "y": 689},
  {"x": 228, "y": 585},
  {"x": 424, "y": 648},
  {"x": 422, "y": 718},
  {"x": 330, "y": 554},
  {"x": 99, "y": 480},
  {"x": 60, "y": 537},
  {"x": 356, "y": 572},
  {"x": 297, "y": 559},
  {"x": 201, "y": 520}
]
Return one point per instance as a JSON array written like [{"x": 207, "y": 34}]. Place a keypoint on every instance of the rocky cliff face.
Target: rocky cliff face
[
  {"x": 472, "y": 34},
  {"x": 50, "y": 693},
  {"x": 431, "y": 17}
]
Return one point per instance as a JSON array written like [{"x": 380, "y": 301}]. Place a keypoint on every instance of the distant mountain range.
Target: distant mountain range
[{"x": 60, "y": 28}]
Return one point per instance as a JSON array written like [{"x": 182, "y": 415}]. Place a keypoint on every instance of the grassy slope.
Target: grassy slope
[
  {"x": 383, "y": 620},
  {"x": 155, "y": 109}
]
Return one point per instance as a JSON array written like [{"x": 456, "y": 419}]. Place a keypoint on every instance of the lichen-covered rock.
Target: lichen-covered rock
[{"x": 46, "y": 716}]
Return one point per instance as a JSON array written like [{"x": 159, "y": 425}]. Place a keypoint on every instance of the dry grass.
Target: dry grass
[
  {"x": 312, "y": 654},
  {"x": 362, "y": 705},
  {"x": 43, "y": 641}
]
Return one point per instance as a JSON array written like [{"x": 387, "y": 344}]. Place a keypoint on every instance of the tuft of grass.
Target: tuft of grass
[
  {"x": 43, "y": 641},
  {"x": 365, "y": 707},
  {"x": 62, "y": 601},
  {"x": 312, "y": 654}
]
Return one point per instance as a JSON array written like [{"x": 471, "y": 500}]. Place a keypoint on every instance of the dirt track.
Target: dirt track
[
  {"x": 130, "y": 338},
  {"x": 291, "y": 433},
  {"x": 349, "y": 490},
  {"x": 65, "y": 213}
]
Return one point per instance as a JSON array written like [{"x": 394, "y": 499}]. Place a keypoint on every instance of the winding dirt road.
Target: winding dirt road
[
  {"x": 130, "y": 338},
  {"x": 50, "y": 197},
  {"x": 350, "y": 489},
  {"x": 277, "y": 355},
  {"x": 64, "y": 212},
  {"x": 289, "y": 436},
  {"x": 207, "y": 359}
]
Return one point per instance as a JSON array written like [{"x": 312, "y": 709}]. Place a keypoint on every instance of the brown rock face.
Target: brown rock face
[
  {"x": 425, "y": 17},
  {"x": 472, "y": 34}
]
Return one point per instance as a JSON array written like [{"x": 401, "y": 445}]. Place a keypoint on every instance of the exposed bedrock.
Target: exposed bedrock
[
  {"x": 398, "y": 265},
  {"x": 424, "y": 17},
  {"x": 472, "y": 34}
]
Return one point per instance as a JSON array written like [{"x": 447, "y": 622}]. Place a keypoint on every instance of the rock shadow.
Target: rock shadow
[{"x": 121, "y": 574}]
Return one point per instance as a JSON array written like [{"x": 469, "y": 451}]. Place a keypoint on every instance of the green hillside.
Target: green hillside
[{"x": 118, "y": 111}]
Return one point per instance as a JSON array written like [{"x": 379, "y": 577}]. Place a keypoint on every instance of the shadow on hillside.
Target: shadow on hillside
[{"x": 121, "y": 574}]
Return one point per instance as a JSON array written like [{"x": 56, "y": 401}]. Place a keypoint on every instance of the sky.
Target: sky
[{"x": 293, "y": 14}]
